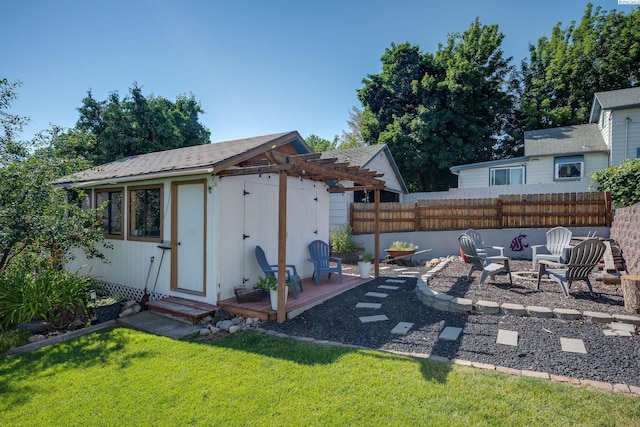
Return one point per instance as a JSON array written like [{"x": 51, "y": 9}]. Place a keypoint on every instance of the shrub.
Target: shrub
[
  {"x": 621, "y": 181},
  {"x": 340, "y": 239},
  {"x": 26, "y": 296},
  {"x": 12, "y": 338}
]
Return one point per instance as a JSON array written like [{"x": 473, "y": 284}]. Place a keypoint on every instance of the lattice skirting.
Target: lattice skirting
[{"x": 129, "y": 293}]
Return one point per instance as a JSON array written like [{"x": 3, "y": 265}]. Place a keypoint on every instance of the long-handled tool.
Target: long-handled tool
[
  {"x": 164, "y": 246},
  {"x": 145, "y": 297}
]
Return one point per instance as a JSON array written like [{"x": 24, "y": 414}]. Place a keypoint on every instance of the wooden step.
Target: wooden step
[{"x": 182, "y": 309}]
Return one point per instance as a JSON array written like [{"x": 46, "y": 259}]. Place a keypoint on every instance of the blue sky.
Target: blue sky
[{"x": 257, "y": 67}]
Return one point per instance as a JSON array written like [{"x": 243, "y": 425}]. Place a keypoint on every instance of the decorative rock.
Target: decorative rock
[
  {"x": 513, "y": 309},
  {"x": 597, "y": 317},
  {"x": 237, "y": 320},
  {"x": 222, "y": 314},
  {"x": 213, "y": 329},
  {"x": 206, "y": 320},
  {"x": 567, "y": 313},
  {"x": 204, "y": 331},
  {"x": 131, "y": 310},
  {"x": 35, "y": 327},
  {"x": 537, "y": 311},
  {"x": 234, "y": 328},
  {"x": 487, "y": 307},
  {"x": 225, "y": 325},
  {"x": 128, "y": 304},
  {"x": 37, "y": 337}
]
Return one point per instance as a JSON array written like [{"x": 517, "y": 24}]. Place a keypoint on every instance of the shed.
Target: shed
[{"x": 192, "y": 216}]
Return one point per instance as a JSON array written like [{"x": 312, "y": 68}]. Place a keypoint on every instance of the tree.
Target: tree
[
  {"x": 623, "y": 182},
  {"x": 318, "y": 144},
  {"x": 115, "y": 128},
  {"x": 435, "y": 111},
  {"x": 600, "y": 53},
  {"x": 10, "y": 124},
  {"x": 38, "y": 225},
  {"x": 352, "y": 138}
]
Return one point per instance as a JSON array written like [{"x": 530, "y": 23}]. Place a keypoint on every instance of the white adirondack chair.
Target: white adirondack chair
[{"x": 557, "y": 247}]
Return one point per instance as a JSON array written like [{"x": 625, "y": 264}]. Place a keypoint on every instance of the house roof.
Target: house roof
[
  {"x": 200, "y": 158},
  {"x": 564, "y": 140},
  {"x": 362, "y": 156},
  {"x": 614, "y": 100},
  {"x": 500, "y": 162}
]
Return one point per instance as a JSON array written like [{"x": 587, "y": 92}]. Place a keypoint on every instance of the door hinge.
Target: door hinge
[
  {"x": 244, "y": 280},
  {"x": 245, "y": 192},
  {"x": 315, "y": 198},
  {"x": 245, "y": 236},
  {"x": 315, "y": 232}
]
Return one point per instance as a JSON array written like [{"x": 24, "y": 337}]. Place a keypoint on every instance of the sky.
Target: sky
[{"x": 257, "y": 67}]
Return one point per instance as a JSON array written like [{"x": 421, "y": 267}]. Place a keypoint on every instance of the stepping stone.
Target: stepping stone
[
  {"x": 395, "y": 281},
  {"x": 399, "y": 269},
  {"x": 376, "y": 318},
  {"x": 375, "y": 305},
  {"x": 391, "y": 288},
  {"x": 401, "y": 328},
  {"x": 616, "y": 333},
  {"x": 572, "y": 345},
  {"x": 450, "y": 333},
  {"x": 385, "y": 267},
  {"x": 376, "y": 294},
  {"x": 618, "y": 326},
  {"x": 507, "y": 337},
  {"x": 410, "y": 272}
]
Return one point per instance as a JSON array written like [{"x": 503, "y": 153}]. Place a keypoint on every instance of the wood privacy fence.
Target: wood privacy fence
[{"x": 508, "y": 211}]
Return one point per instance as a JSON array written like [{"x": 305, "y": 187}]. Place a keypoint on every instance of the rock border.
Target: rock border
[{"x": 445, "y": 302}]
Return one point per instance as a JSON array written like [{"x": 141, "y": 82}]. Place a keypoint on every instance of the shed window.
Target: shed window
[
  {"x": 506, "y": 176},
  {"x": 568, "y": 168},
  {"x": 111, "y": 212},
  {"x": 145, "y": 213}
]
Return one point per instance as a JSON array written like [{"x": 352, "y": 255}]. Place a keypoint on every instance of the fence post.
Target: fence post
[
  {"x": 416, "y": 217},
  {"x": 499, "y": 213},
  {"x": 608, "y": 217}
]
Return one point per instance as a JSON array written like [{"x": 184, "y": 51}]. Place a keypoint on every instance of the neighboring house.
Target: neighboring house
[
  {"x": 207, "y": 207},
  {"x": 565, "y": 157},
  {"x": 374, "y": 157}
]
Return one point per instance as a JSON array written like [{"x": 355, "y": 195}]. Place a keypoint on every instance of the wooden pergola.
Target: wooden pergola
[{"x": 310, "y": 166}]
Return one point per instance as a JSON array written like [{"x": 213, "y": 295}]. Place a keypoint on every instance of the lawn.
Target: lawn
[{"x": 125, "y": 377}]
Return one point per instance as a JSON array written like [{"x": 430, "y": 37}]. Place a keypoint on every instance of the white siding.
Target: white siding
[
  {"x": 473, "y": 178},
  {"x": 381, "y": 164},
  {"x": 339, "y": 207},
  {"x": 625, "y": 135}
]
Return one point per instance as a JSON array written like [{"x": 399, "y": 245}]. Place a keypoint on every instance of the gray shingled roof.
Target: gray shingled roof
[
  {"x": 181, "y": 159},
  {"x": 614, "y": 100},
  {"x": 564, "y": 140},
  {"x": 361, "y": 156}
]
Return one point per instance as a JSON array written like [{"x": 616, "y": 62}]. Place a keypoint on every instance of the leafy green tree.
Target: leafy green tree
[
  {"x": 623, "y": 182},
  {"x": 38, "y": 225},
  {"x": 10, "y": 124},
  {"x": 115, "y": 128},
  {"x": 599, "y": 53},
  {"x": 318, "y": 144},
  {"x": 352, "y": 138},
  {"x": 438, "y": 110}
]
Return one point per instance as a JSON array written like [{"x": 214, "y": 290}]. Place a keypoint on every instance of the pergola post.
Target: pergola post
[
  {"x": 376, "y": 239},
  {"x": 282, "y": 245}
]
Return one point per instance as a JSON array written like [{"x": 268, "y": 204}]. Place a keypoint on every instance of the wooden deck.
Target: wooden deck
[{"x": 312, "y": 295}]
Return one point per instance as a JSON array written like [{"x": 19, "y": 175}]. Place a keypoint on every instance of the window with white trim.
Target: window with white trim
[
  {"x": 568, "y": 168},
  {"x": 506, "y": 175}
]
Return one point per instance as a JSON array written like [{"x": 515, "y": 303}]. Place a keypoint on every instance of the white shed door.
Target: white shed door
[
  {"x": 189, "y": 234},
  {"x": 260, "y": 226}
]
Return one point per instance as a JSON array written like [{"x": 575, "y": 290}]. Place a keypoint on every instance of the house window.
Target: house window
[
  {"x": 506, "y": 176},
  {"x": 568, "y": 168},
  {"x": 145, "y": 213},
  {"x": 111, "y": 202},
  {"x": 79, "y": 198}
]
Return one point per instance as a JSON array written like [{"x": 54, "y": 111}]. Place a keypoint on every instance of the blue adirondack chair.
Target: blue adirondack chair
[
  {"x": 319, "y": 256},
  {"x": 293, "y": 280}
]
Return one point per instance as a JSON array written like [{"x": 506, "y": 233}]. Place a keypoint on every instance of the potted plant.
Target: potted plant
[
  {"x": 365, "y": 265},
  {"x": 105, "y": 307},
  {"x": 269, "y": 283},
  {"x": 342, "y": 244},
  {"x": 398, "y": 249}
]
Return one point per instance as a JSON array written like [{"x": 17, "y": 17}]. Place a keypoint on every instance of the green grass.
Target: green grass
[{"x": 124, "y": 377}]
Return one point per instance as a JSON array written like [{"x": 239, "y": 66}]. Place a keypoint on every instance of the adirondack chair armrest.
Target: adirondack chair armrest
[
  {"x": 336, "y": 259},
  {"x": 548, "y": 263},
  {"x": 499, "y": 249},
  {"x": 291, "y": 266}
]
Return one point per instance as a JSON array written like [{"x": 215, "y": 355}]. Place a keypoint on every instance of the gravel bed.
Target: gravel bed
[{"x": 610, "y": 359}]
